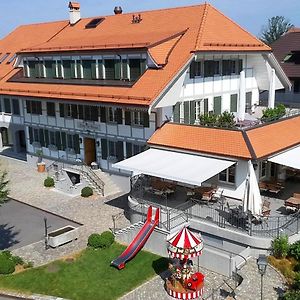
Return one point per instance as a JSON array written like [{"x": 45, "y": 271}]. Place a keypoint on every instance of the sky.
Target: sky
[{"x": 250, "y": 14}]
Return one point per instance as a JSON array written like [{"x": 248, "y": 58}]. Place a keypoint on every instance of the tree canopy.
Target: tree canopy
[
  {"x": 3, "y": 187},
  {"x": 275, "y": 28}
]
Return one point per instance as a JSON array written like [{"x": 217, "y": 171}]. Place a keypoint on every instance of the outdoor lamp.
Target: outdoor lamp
[
  {"x": 262, "y": 267},
  {"x": 262, "y": 264}
]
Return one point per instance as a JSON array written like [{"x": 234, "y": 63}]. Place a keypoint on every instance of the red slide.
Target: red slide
[{"x": 139, "y": 241}]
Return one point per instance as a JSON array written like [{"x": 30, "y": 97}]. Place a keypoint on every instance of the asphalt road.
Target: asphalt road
[{"x": 21, "y": 224}]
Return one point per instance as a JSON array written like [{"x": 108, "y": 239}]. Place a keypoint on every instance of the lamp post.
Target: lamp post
[{"x": 262, "y": 267}]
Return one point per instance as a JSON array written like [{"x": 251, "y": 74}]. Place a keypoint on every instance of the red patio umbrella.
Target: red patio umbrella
[{"x": 185, "y": 244}]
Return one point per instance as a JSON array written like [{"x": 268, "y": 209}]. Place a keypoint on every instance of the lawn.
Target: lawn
[{"x": 89, "y": 276}]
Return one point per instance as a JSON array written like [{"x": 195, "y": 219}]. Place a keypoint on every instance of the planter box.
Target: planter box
[{"x": 62, "y": 235}]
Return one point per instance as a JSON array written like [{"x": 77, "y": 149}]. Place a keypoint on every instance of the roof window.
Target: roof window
[
  {"x": 94, "y": 23},
  {"x": 12, "y": 58},
  {"x": 3, "y": 57}
]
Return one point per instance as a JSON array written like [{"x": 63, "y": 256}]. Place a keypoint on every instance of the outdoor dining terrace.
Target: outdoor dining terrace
[{"x": 180, "y": 203}]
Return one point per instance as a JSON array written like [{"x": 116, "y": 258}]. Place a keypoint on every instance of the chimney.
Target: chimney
[
  {"x": 118, "y": 10},
  {"x": 74, "y": 12}
]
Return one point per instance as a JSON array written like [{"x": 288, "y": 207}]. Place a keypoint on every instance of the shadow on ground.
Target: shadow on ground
[{"x": 7, "y": 236}]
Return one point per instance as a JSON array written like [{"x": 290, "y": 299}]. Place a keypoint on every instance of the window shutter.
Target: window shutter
[
  {"x": 73, "y": 68},
  {"x": 206, "y": 106},
  {"x": 146, "y": 119},
  {"x": 217, "y": 105},
  {"x": 124, "y": 69},
  {"x": 37, "y": 69},
  {"x": 63, "y": 140},
  {"x": 128, "y": 150},
  {"x": 53, "y": 66},
  {"x": 42, "y": 138},
  {"x": 58, "y": 140},
  {"x": 127, "y": 117},
  {"x": 78, "y": 67},
  {"x": 186, "y": 106},
  {"x": 192, "y": 69},
  {"x": 87, "y": 69},
  {"x": 143, "y": 65},
  {"x": 104, "y": 148},
  {"x": 192, "y": 112},
  {"x": 103, "y": 114},
  {"x": 76, "y": 143},
  {"x": 32, "y": 69},
  {"x": 61, "y": 110},
  {"x": 176, "y": 112},
  {"x": 233, "y": 103},
  {"x": 119, "y": 115},
  {"x": 59, "y": 69},
  {"x": 46, "y": 133},
  {"x": 94, "y": 70},
  {"x": 109, "y": 69},
  {"x": 120, "y": 151},
  {"x": 30, "y": 135},
  {"x": 67, "y": 69},
  {"x": 100, "y": 69}
]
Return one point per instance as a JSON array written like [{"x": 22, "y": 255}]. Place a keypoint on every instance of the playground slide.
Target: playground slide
[{"x": 139, "y": 241}]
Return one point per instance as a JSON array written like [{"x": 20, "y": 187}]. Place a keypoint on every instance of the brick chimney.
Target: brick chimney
[{"x": 74, "y": 12}]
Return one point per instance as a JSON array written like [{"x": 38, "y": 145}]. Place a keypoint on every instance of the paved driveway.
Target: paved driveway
[{"x": 21, "y": 224}]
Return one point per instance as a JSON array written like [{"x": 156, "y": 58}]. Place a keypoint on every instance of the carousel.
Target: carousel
[{"x": 184, "y": 282}]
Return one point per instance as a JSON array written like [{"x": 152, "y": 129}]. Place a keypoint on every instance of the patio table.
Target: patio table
[{"x": 292, "y": 203}]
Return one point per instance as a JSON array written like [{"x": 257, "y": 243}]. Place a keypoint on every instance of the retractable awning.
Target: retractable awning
[
  {"x": 289, "y": 158},
  {"x": 181, "y": 167}
]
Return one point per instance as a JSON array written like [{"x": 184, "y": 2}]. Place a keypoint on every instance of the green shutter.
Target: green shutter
[
  {"x": 192, "y": 112},
  {"x": 146, "y": 119},
  {"x": 217, "y": 105},
  {"x": 87, "y": 69},
  {"x": 104, "y": 148},
  {"x": 186, "y": 112},
  {"x": 100, "y": 68},
  {"x": 61, "y": 110},
  {"x": 78, "y": 67},
  {"x": 143, "y": 65},
  {"x": 94, "y": 70},
  {"x": 76, "y": 143},
  {"x": 119, "y": 115},
  {"x": 233, "y": 103},
  {"x": 73, "y": 68},
  {"x": 176, "y": 112},
  {"x": 117, "y": 69},
  {"x": 120, "y": 151},
  {"x": 32, "y": 69},
  {"x": 205, "y": 106},
  {"x": 128, "y": 150},
  {"x": 67, "y": 69},
  {"x": 103, "y": 114},
  {"x": 49, "y": 69},
  {"x": 127, "y": 117},
  {"x": 124, "y": 69},
  {"x": 59, "y": 69}
]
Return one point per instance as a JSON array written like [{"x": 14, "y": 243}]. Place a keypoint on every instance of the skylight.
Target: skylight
[
  {"x": 94, "y": 23},
  {"x": 3, "y": 57}
]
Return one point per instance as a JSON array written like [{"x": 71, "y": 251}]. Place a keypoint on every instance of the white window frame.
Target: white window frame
[{"x": 227, "y": 175}]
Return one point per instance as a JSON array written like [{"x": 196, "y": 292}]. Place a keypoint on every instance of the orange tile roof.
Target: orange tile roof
[
  {"x": 254, "y": 143},
  {"x": 213, "y": 141},
  {"x": 275, "y": 137},
  {"x": 201, "y": 24}
]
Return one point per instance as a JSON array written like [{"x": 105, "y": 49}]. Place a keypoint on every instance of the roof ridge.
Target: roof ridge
[
  {"x": 246, "y": 31},
  {"x": 202, "y": 23},
  {"x": 249, "y": 145}
]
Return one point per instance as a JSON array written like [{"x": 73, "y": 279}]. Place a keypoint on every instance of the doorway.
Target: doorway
[
  {"x": 22, "y": 140},
  {"x": 89, "y": 150},
  {"x": 4, "y": 134}
]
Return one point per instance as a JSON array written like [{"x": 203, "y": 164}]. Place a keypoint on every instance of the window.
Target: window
[
  {"x": 228, "y": 67},
  {"x": 16, "y": 106},
  {"x": 34, "y": 107},
  {"x": 137, "y": 118},
  {"x": 248, "y": 101},
  {"x": 67, "y": 69},
  {"x": 195, "y": 69},
  {"x": 135, "y": 68},
  {"x": 49, "y": 68},
  {"x": 133, "y": 149},
  {"x": 228, "y": 175},
  {"x": 89, "y": 69},
  {"x": 233, "y": 103},
  {"x": 109, "y": 69},
  {"x": 263, "y": 168},
  {"x": 115, "y": 115},
  {"x": 51, "y": 109},
  {"x": 211, "y": 68},
  {"x": 217, "y": 105},
  {"x": 201, "y": 108},
  {"x": 7, "y": 106}
]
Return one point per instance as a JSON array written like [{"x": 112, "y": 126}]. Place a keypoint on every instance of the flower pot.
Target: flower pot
[{"x": 41, "y": 167}]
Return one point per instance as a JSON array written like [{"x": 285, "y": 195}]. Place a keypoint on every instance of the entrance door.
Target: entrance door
[{"x": 89, "y": 150}]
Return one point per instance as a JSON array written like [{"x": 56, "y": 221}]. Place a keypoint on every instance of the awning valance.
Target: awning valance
[
  {"x": 175, "y": 166},
  {"x": 289, "y": 158}
]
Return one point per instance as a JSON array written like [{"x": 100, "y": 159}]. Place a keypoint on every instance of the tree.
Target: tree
[
  {"x": 3, "y": 187},
  {"x": 276, "y": 27}
]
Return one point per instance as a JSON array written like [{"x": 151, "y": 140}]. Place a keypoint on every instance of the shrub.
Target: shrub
[
  {"x": 7, "y": 266},
  {"x": 280, "y": 247},
  {"x": 86, "y": 192},
  {"x": 294, "y": 250},
  {"x": 297, "y": 267},
  {"x": 291, "y": 295},
  {"x": 28, "y": 265},
  {"x": 49, "y": 182},
  {"x": 271, "y": 114},
  {"x": 18, "y": 260},
  {"x": 6, "y": 253},
  {"x": 296, "y": 284},
  {"x": 94, "y": 240},
  {"x": 107, "y": 238}
]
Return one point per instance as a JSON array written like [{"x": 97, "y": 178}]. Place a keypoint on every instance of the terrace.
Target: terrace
[{"x": 181, "y": 203}]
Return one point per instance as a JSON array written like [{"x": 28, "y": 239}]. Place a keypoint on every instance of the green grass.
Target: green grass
[{"x": 89, "y": 277}]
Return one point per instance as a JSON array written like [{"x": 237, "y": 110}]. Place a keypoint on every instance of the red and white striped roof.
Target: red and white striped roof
[{"x": 185, "y": 244}]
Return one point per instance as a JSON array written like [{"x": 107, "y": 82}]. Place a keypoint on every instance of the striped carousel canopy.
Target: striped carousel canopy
[{"x": 185, "y": 244}]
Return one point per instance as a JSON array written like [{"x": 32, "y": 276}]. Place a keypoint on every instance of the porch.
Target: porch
[{"x": 179, "y": 205}]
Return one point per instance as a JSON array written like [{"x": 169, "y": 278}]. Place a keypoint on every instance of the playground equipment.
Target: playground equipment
[
  {"x": 139, "y": 241},
  {"x": 184, "y": 283}
]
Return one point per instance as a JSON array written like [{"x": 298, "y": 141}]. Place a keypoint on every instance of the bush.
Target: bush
[
  {"x": 94, "y": 240},
  {"x": 297, "y": 267},
  {"x": 86, "y": 192},
  {"x": 271, "y": 114},
  {"x": 280, "y": 247},
  {"x": 7, "y": 266},
  {"x": 291, "y": 295},
  {"x": 49, "y": 182},
  {"x": 28, "y": 265},
  {"x": 102, "y": 241},
  {"x": 294, "y": 250},
  {"x": 18, "y": 260},
  {"x": 296, "y": 284}
]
